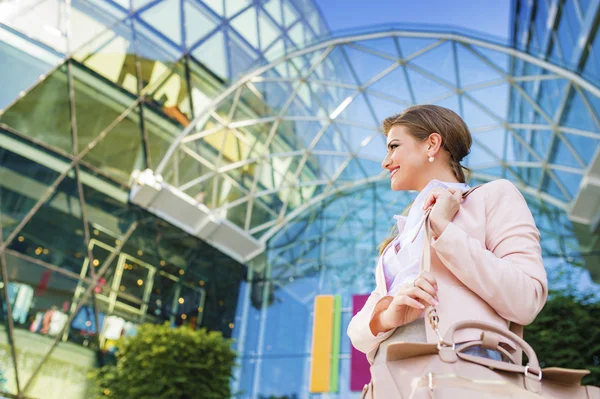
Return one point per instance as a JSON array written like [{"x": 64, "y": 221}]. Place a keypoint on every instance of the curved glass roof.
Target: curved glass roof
[{"x": 307, "y": 126}]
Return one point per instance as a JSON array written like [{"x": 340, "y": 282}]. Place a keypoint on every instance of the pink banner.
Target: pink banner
[{"x": 359, "y": 366}]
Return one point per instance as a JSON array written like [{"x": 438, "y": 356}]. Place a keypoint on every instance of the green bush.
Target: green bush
[
  {"x": 165, "y": 363},
  {"x": 566, "y": 333}
]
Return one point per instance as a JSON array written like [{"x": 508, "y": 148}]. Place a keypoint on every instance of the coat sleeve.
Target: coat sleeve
[
  {"x": 359, "y": 330},
  {"x": 508, "y": 272}
]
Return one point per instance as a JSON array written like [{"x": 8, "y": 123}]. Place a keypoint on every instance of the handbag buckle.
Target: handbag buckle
[{"x": 539, "y": 376}]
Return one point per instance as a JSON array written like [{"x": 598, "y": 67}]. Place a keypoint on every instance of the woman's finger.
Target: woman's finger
[
  {"x": 425, "y": 296},
  {"x": 405, "y": 300},
  {"x": 429, "y": 277},
  {"x": 426, "y": 286}
]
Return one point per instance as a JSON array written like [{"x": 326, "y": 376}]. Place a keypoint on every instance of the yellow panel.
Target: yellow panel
[{"x": 320, "y": 371}]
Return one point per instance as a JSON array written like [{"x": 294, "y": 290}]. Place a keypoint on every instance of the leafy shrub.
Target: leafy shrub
[{"x": 161, "y": 362}]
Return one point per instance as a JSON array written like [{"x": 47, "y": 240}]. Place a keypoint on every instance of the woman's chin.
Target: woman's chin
[{"x": 398, "y": 185}]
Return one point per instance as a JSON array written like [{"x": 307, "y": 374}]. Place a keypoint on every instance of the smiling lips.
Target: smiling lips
[{"x": 393, "y": 172}]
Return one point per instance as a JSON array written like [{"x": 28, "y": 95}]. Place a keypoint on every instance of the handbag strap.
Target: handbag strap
[{"x": 431, "y": 313}]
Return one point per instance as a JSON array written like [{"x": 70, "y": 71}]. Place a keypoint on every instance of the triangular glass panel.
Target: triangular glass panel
[
  {"x": 25, "y": 19},
  {"x": 331, "y": 97},
  {"x": 245, "y": 25},
  {"x": 475, "y": 117},
  {"x": 570, "y": 181},
  {"x": 495, "y": 140},
  {"x": 332, "y": 141},
  {"x": 171, "y": 98},
  {"x": 291, "y": 195},
  {"x": 335, "y": 68},
  {"x": 500, "y": 60},
  {"x": 450, "y": 103},
  {"x": 531, "y": 176},
  {"x": 234, "y": 6},
  {"x": 269, "y": 31},
  {"x": 384, "y": 45},
  {"x": 550, "y": 94},
  {"x": 273, "y": 7},
  {"x": 540, "y": 141},
  {"x": 237, "y": 214},
  {"x": 198, "y": 23},
  {"x": 494, "y": 98},
  {"x": 304, "y": 131},
  {"x": 481, "y": 156},
  {"x": 309, "y": 192},
  {"x": 216, "y": 6},
  {"x": 298, "y": 108},
  {"x": 395, "y": 85},
  {"x": 561, "y": 155},
  {"x": 496, "y": 171},
  {"x": 272, "y": 201},
  {"x": 358, "y": 111},
  {"x": 43, "y": 113},
  {"x": 370, "y": 167},
  {"x": 424, "y": 88},
  {"x": 250, "y": 105},
  {"x": 366, "y": 65},
  {"x": 274, "y": 94},
  {"x": 409, "y": 46},
  {"x": 550, "y": 187},
  {"x": 473, "y": 69},
  {"x": 84, "y": 25},
  {"x": 126, "y": 136},
  {"x": 296, "y": 34},
  {"x": 182, "y": 168},
  {"x": 275, "y": 50},
  {"x": 165, "y": 16},
  {"x": 290, "y": 15},
  {"x": 328, "y": 165},
  {"x": 139, "y": 4},
  {"x": 439, "y": 62},
  {"x": 16, "y": 172},
  {"x": 586, "y": 147},
  {"x": 384, "y": 108},
  {"x": 577, "y": 114},
  {"x": 356, "y": 137},
  {"x": 374, "y": 149},
  {"x": 212, "y": 54}
]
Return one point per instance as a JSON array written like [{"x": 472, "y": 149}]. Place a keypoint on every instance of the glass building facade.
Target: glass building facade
[{"x": 253, "y": 113}]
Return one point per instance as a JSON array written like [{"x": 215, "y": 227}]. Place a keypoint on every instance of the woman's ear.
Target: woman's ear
[{"x": 434, "y": 143}]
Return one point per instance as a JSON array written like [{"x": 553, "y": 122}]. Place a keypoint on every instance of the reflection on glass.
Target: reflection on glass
[{"x": 43, "y": 113}]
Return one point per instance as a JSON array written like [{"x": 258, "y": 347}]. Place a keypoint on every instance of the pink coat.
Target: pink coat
[{"x": 488, "y": 265}]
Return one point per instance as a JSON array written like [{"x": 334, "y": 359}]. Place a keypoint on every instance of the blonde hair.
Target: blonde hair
[{"x": 421, "y": 121}]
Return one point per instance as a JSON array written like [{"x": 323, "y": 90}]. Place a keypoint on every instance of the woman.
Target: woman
[{"x": 486, "y": 261}]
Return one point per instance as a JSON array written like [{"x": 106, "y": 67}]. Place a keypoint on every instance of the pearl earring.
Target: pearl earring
[{"x": 431, "y": 159}]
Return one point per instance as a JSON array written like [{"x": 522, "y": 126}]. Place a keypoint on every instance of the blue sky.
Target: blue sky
[{"x": 488, "y": 16}]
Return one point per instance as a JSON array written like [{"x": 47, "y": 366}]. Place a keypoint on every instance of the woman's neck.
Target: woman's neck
[{"x": 443, "y": 175}]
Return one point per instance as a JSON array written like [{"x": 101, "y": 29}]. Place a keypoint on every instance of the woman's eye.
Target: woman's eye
[{"x": 393, "y": 146}]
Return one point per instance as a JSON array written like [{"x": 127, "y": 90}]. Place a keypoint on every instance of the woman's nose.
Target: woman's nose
[{"x": 385, "y": 163}]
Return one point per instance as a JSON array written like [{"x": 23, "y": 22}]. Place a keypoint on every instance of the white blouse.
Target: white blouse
[{"x": 402, "y": 258}]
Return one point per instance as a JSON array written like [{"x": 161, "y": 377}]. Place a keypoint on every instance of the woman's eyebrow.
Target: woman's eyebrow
[{"x": 391, "y": 141}]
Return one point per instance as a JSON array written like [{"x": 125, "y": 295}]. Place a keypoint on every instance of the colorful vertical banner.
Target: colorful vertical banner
[
  {"x": 325, "y": 354},
  {"x": 336, "y": 338},
  {"x": 360, "y": 373}
]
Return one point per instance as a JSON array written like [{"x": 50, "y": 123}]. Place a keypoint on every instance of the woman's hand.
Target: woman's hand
[
  {"x": 446, "y": 203},
  {"x": 409, "y": 303}
]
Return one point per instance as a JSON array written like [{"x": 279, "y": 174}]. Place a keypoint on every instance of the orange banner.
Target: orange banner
[{"x": 320, "y": 370}]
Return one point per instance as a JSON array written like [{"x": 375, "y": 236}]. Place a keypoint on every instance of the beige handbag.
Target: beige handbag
[{"x": 445, "y": 371}]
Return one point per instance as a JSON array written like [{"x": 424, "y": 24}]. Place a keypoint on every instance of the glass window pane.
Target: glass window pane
[
  {"x": 20, "y": 70},
  {"x": 43, "y": 113}
]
